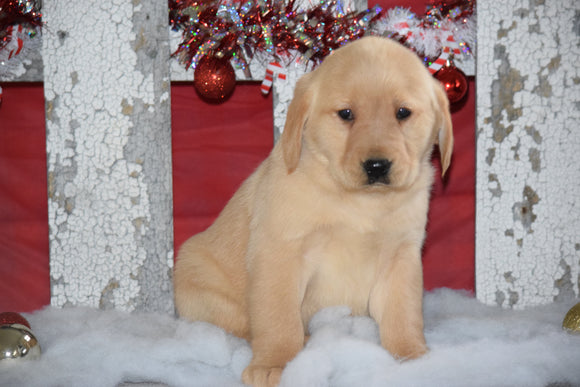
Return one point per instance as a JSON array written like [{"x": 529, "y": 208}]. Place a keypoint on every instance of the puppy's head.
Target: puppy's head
[{"x": 370, "y": 114}]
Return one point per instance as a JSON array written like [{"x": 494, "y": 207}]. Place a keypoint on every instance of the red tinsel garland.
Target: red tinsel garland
[
  {"x": 224, "y": 30},
  {"x": 237, "y": 30},
  {"x": 221, "y": 30}
]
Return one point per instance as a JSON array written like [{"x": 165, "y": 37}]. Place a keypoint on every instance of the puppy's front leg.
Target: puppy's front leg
[
  {"x": 275, "y": 295},
  {"x": 396, "y": 304}
]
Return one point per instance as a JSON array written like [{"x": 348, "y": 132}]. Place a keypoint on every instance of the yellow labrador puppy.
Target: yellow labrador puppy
[{"x": 334, "y": 216}]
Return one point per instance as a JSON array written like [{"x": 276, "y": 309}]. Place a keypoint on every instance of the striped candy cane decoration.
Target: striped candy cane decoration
[
  {"x": 14, "y": 45},
  {"x": 404, "y": 29},
  {"x": 449, "y": 45},
  {"x": 273, "y": 69}
]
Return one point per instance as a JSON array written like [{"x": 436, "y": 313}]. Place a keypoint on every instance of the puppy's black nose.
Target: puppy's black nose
[{"x": 377, "y": 170}]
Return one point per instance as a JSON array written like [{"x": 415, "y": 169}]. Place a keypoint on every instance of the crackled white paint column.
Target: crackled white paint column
[
  {"x": 109, "y": 153},
  {"x": 528, "y": 152}
]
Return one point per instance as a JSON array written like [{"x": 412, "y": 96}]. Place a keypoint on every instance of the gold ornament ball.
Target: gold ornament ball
[
  {"x": 571, "y": 322},
  {"x": 17, "y": 342},
  {"x": 16, "y": 338}
]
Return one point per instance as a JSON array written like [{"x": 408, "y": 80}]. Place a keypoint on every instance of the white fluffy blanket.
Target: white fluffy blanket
[{"x": 471, "y": 345}]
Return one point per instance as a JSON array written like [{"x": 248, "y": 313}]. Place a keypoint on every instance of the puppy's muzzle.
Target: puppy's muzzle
[{"x": 377, "y": 170}]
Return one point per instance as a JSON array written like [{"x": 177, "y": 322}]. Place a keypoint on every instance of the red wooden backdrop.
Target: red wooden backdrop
[{"x": 215, "y": 147}]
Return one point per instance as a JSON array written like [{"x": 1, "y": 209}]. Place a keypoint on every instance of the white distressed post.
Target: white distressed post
[
  {"x": 528, "y": 152},
  {"x": 106, "y": 81}
]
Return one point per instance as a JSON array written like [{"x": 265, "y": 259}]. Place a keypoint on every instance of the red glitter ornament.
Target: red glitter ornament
[
  {"x": 10, "y": 318},
  {"x": 454, "y": 81},
  {"x": 214, "y": 79}
]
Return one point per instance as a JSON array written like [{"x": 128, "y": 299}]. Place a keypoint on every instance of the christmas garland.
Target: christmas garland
[
  {"x": 219, "y": 31},
  {"x": 224, "y": 30},
  {"x": 445, "y": 31}
]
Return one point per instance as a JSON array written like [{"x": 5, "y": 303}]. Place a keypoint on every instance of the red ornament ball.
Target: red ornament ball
[
  {"x": 454, "y": 81},
  {"x": 214, "y": 79},
  {"x": 9, "y": 318}
]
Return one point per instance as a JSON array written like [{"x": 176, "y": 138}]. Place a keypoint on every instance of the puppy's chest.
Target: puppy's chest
[{"x": 341, "y": 267}]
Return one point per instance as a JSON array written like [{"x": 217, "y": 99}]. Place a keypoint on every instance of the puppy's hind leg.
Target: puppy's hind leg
[{"x": 204, "y": 292}]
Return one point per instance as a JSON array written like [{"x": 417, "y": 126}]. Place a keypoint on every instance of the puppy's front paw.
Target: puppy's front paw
[
  {"x": 410, "y": 352},
  {"x": 260, "y": 376}
]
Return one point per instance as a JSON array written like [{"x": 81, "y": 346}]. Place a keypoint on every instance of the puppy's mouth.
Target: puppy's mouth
[
  {"x": 380, "y": 181},
  {"x": 377, "y": 171}
]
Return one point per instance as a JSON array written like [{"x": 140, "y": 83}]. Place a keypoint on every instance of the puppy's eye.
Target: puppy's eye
[
  {"x": 346, "y": 114},
  {"x": 403, "y": 113}
]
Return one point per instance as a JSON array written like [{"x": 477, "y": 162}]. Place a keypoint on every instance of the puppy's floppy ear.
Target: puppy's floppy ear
[
  {"x": 445, "y": 127},
  {"x": 296, "y": 118}
]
